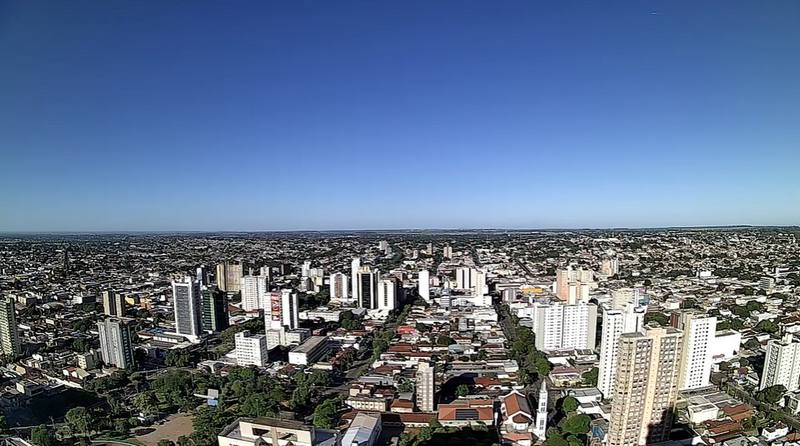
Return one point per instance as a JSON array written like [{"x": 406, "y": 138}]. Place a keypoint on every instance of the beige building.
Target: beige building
[
  {"x": 646, "y": 387},
  {"x": 426, "y": 387},
  {"x": 273, "y": 432}
]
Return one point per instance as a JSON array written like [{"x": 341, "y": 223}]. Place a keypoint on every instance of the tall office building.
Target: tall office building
[
  {"x": 229, "y": 276},
  {"x": 615, "y": 323},
  {"x": 698, "y": 334},
  {"x": 388, "y": 290},
  {"x": 540, "y": 428},
  {"x": 283, "y": 311},
  {"x": 560, "y": 327},
  {"x": 115, "y": 343},
  {"x": 338, "y": 284},
  {"x": 424, "y": 285},
  {"x": 646, "y": 387},
  {"x": 782, "y": 364},
  {"x": 251, "y": 349},
  {"x": 9, "y": 334},
  {"x": 368, "y": 287},
  {"x": 186, "y": 305},
  {"x": 426, "y": 386},
  {"x": 215, "y": 309},
  {"x": 113, "y": 303},
  {"x": 355, "y": 267},
  {"x": 255, "y": 291}
]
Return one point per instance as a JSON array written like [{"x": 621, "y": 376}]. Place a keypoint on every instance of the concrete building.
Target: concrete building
[
  {"x": 310, "y": 351},
  {"x": 355, "y": 267},
  {"x": 115, "y": 343},
  {"x": 615, "y": 323},
  {"x": 186, "y": 305},
  {"x": 698, "y": 335},
  {"x": 424, "y": 285},
  {"x": 573, "y": 285},
  {"x": 283, "y": 311},
  {"x": 9, "y": 333},
  {"x": 622, "y": 297},
  {"x": 559, "y": 327},
  {"x": 113, "y": 303},
  {"x": 540, "y": 428},
  {"x": 215, "y": 309},
  {"x": 273, "y": 432},
  {"x": 229, "y": 277},
  {"x": 255, "y": 290},
  {"x": 364, "y": 430},
  {"x": 388, "y": 290},
  {"x": 368, "y": 287},
  {"x": 251, "y": 349},
  {"x": 338, "y": 286},
  {"x": 782, "y": 364},
  {"x": 426, "y": 386},
  {"x": 646, "y": 387}
]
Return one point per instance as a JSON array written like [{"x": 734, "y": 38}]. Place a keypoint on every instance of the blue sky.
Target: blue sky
[{"x": 371, "y": 114}]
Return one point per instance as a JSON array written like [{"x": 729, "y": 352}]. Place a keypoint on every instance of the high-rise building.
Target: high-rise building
[
  {"x": 620, "y": 298},
  {"x": 480, "y": 283},
  {"x": 698, "y": 334},
  {"x": 355, "y": 267},
  {"x": 215, "y": 309},
  {"x": 426, "y": 386},
  {"x": 573, "y": 285},
  {"x": 251, "y": 349},
  {"x": 615, "y": 323},
  {"x": 186, "y": 305},
  {"x": 9, "y": 334},
  {"x": 338, "y": 284},
  {"x": 447, "y": 252},
  {"x": 283, "y": 311},
  {"x": 115, "y": 343},
  {"x": 540, "y": 428},
  {"x": 368, "y": 287},
  {"x": 646, "y": 387},
  {"x": 229, "y": 276},
  {"x": 113, "y": 303},
  {"x": 464, "y": 277},
  {"x": 424, "y": 285},
  {"x": 609, "y": 266},
  {"x": 254, "y": 292},
  {"x": 559, "y": 327},
  {"x": 388, "y": 290},
  {"x": 782, "y": 364}
]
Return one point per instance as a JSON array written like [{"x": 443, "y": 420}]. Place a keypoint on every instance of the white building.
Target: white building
[
  {"x": 186, "y": 305},
  {"x": 726, "y": 345},
  {"x": 255, "y": 291},
  {"x": 310, "y": 351},
  {"x": 251, "y": 349},
  {"x": 540, "y": 428},
  {"x": 355, "y": 266},
  {"x": 338, "y": 284},
  {"x": 620, "y": 298},
  {"x": 615, "y": 323},
  {"x": 424, "y": 285},
  {"x": 782, "y": 364},
  {"x": 698, "y": 334},
  {"x": 364, "y": 430},
  {"x": 560, "y": 327},
  {"x": 388, "y": 289},
  {"x": 426, "y": 386}
]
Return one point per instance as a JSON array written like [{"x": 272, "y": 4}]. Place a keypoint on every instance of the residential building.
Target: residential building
[
  {"x": 338, "y": 286},
  {"x": 559, "y": 327},
  {"x": 424, "y": 285},
  {"x": 251, "y": 349},
  {"x": 229, "y": 277},
  {"x": 113, "y": 303},
  {"x": 646, "y": 387},
  {"x": 215, "y": 309},
  {"x": 186, "y": 306},
  {"x": 254, "y": 292},
  {"x": 782, "y": 364},
  {"x": 698, "y": 334},
  {"x": 615, "y": 323},
  {"x": 388, "y": 290},
  {"x": 368, "y": 287},
  {"x": 9, "y": 333},
  {"x": 426, "y": 386},
  {"x": 115, "y": 343},
  {"x": 355, "y": 267}
]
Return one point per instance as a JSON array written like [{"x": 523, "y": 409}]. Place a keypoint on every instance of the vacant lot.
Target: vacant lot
[{"x": 174, "y": 427}]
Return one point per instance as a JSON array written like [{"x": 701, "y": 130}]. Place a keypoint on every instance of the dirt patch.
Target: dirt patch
[{"x": 174, "y": 427}]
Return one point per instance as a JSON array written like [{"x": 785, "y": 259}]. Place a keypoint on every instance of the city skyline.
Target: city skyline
[{"x": 355, "y": 116}]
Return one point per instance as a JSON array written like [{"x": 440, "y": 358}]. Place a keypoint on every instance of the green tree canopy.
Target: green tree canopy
[
  {"x": 41, "y": 435},
  {"x": 576, "y": 424}
]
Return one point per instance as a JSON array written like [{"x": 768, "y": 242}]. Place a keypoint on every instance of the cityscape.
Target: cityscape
[
  {"x": 399, "y": 223},
  {"x": 618, "y": 337}
]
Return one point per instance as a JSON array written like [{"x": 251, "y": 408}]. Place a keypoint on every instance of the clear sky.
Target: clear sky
[{"x": 170, "y": 115}]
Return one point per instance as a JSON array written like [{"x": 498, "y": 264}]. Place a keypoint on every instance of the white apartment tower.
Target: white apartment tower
[
  {"x": 782, "y": 364},
  {"x": 255, "y": 290},
  {"x": 615, "y": 323},
  {"x": 388, "y": 290},
  {"x": 424, "y": 285},
  {"x": 426, "y": 386},
  {"x": 540, "y": 428},
  {"x": 646, "y": 387},
  {"x": 229, "y": 277},
  {"x": 698, "y": 334},
  {"x": 186, "y": 305},
  {"x": 9, "y": 335},
  {"x": 115, "y": 343},
  {"x": 338, "y": 284},
  {"x": 559, "y": 327},
  {"x": 251, "y": 349},
  {"x": 355, "y": 267},
  {"x": 113, "y": 303}
]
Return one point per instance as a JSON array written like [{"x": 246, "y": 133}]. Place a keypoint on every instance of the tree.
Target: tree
[
  {"x": 166, "y": 442},
  {"x": 590, "y": 377},
  {"x": 183, "y": 440},
  {"x": 444, "y": 341},
  {"x": 659, "y": 318},
  {"x": 752, "y": 344},
  {"x": 555, "y": 440},
  {"x": 325, "y": 414},
  {"x": 767, "y": 326},
  {"x": 146, "y": 403},
  {"x": 771, "y": 394},
  {"x": 462, "y": 390},
  {"x": 79, "y": 419},
  {"x": 3, "y": 423},
  {"x": 41, "y": 435},
  {"x": 258, "y": 405},
  {"x": 569, "y": 404},
  {"x": 576, "y": 424},
  {"x": 178, "y": 358}
]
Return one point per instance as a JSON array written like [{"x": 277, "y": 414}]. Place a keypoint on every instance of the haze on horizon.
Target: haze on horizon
[{"x": 151, "y": 116}]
